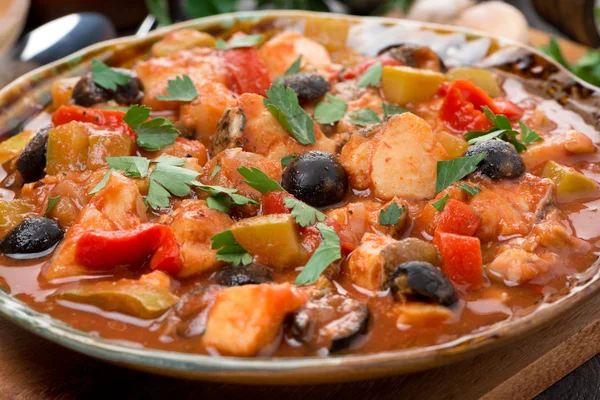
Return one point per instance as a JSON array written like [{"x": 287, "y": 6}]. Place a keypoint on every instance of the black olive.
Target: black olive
[
  {"x": 317, "y": 178},
  {"x": 307, "y": 85},
  {"x": 32, "y": 161},
  {"x": 192, "y": 310},
  {"x": 421, "y": 279},
  {"x": 415, "y": 56},
  {"x": 34, "y": 237},
  {"x": 87, "y": 93},
  {"x": 501, "y": 159},
  {"x": 243, "y": 275},
  {"x": 346, "y": 319}
]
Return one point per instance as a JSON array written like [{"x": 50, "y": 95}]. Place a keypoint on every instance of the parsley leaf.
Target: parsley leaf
[
  {"x": 133, "y": 167},
  {"x": 215, "y": 171},
  {"x": 391, "y": 215},
  {"x": 392, "y": 109},
  {"x": 180, "y": 89},
  {"x": 102, "y": 182},
  {"x": 229, "y": 250},
  {"x": 454, "y": 170},
  {"x": 52, "y": 201},
  {"x": 107, "y": 77},
  {"x": 528, "y": 135},
  {"x": 305, "y": 215},
  {"x": 288, "y": 159},
  {"x": 239, "y": 41},
  {"x": 328, "y": 251},
  {"x": 219, "y": 203},
  {"x": 283, "y": 103},
  {"x": 371, "y": 76},
  {"x": 471, "y": 190},
  {"x": 364, "y": 117},
  {"x": 292, "y": 69},
  {"x": 258, "y": 180},
  {"x": 160, "y": 10},
  {"x": 330, "y": 111},
  {"x": 152, "y": 135},
  {"x": 223, "y": 198},
  {"x": 441, "y": 203}
]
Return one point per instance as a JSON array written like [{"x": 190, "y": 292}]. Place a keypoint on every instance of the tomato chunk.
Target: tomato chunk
[
  {"x": 112, "y": 119},
  {"x": 461, "y": 258},
  {"x": 248, "y": 71},
  {"x": 458, "y": 218},
  {"x": 272, "y": 202}
]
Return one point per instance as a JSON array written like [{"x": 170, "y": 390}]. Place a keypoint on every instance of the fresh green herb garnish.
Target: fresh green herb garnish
[
  {"x": 288, "y": 159},
  {"x": 160, "y": 10},
  {"x": 391, "y": 215},
  {"x": 292, "y": 69},
  {"x": 102, "y": 182},
  {"x": 52, "y": 201},
  {"x": 180, "y": 89},
  {"x": 372, "y": 76},
  {"x": 168, "y": 179},
  {"x": 223, "y": 198},
  {"x": 364, "y": 117},
  {"x": 239, "y": 41},
  {"x": 330, "y": 111},
  {"x": 441, "y": 203},
  {"x": 152, "y": 135},
  {"x": 470, "y": 190},
  {"x": 454, "y": 170},
  {"x": 328, "y": 251},
  {"x": 107, "y": 77},
  {"x": 215, "y": 171},
  {"x": 229, "y": 250},
  {"x": 283, "y": 103},
  {"x": 528, "y": 135},
  {"x": 392, "y": 109},
  {"x": 305, "y": 215},
  {"x": 133, "y": 167},
  {"x": 258, "y": 180}
]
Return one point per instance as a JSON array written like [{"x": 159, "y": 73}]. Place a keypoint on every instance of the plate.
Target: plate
[{"x": 20, "y": 104}]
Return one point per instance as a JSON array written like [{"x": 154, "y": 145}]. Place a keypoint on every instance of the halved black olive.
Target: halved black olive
[
  {"x": 501, "y": 159},
  {"x": 307, "y": 85},
  {"x": 34, "y": 237},
  {"x": 415, "y": 56},
  {"x": 87, "y": 93},
  {"x": 332, "y": 321},
  {"x": 421, "y": 279},
  {"x": 192, "y": 310},
  {"x": 32, "y": 161},
  {"x": 243, "y": 275},
  {"x": 317, "y": 178}
]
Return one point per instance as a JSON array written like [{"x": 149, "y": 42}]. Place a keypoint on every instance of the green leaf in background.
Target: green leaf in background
[
  {"x": 239, "y": 41},
  {"x": 553, "y": 50},
  {"x": 389, "y": 5},
  {"x": 392, "y": 109},
  {"x": 586, "y": 68},
  {"x": 205, "y": 8},
  {"x": 160, "y": 10}
]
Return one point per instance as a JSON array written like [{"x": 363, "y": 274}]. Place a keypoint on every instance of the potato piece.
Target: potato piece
[
  {"x": 126, "y": 296},
  {"x": 330, "y": 32},
  {"x": 106, "y": 143},
  {"x": 246, "y": 319},
  {"x": 403, "y": 85},
  {"x": 12, "y": 212},
  {"x": 568, "y": 181},
  {"x": 273, "y": 239},
  {"x": 481, "y": 78},
  {"x": 67, "y": 148},
  {"x": 13, "y": 146},
  {"x": 181, "y": 39},
  {"x": 422, "y": 315},
  {"x": 62, "y": 90}
]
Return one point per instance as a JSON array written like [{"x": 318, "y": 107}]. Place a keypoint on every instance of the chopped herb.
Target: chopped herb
[
  {"x": 441, "y": 203},
  {"x": 330, "y": 111},
  {"x": 160, "y": 10},
  {"x": 171, "y": 160},
  {"x": 107, "y": 77},
  {"x": 52, "y": 201},
  {"x": 288, "y": 159},
  {"x": 392, "y": 109},
  {"x": 229, "y": 250},
  {"x": 364, "y": 117},
  {"x": 454, "y": 170},
  {"x": 471, "y": 190},
  {"x": 219, "y": 203},
  {"x": 180, "y": 89},
  {"x": 305, "y": 215},
  {"x": 293, "y": 69},
  {"x": 283, "y": 103},
  {"x": 328, "y": 251},
  {"x": 223, "y": 198},
  {"x": 528, "y": 135},
  {"x": 102, "y": 182},
  {"x": 371, "y": 76},
  {"x": 258, "y": 180},
  {"x": 133, "y": 167},
  {"x": 391, "y": 215},
  {"x": 215, "y": 171},
  {"x": 239, "y": 41},
  {"x": 152, "y": 135}
]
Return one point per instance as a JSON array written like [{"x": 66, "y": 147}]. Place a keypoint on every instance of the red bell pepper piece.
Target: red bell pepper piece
[
  {"x": 112, "y": 119},
  {"x": 249, "y": 73},
  {"x": 459, "y": 218},
  {"x": 461, "y": 258},
  {"x": 361, "y": 68},
  {"x": 104, "y": 250}
]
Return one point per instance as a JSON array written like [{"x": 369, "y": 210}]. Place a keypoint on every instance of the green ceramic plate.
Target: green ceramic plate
[{"x": 25, "y": 97}]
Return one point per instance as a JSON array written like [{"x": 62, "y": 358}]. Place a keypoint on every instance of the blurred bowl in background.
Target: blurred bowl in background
[{"x": 12, "y": 19}]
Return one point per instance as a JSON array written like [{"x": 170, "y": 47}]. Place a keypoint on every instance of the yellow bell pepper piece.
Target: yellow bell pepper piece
[
  {"x": 403, "y": 85},
  {"x": 67, "y": 148},
  {"x": 568, "y": 181},
  {"x": 13, "y": 146},
  {"x": 481, "y": 78},
  {"x": 454, "y": 145},
  {"x": 330, "y": 32}
]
